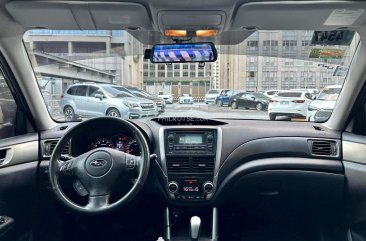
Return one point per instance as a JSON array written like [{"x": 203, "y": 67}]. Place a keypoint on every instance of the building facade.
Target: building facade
[
  {"x": 114, "y": 53},
  {"x": 279, "y": 60}
]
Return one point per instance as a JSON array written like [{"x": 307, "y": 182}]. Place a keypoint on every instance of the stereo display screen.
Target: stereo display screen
[{"x": 190, "y": 139}]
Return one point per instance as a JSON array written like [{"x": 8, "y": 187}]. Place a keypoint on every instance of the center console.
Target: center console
[{"x": 190, "y": 157}]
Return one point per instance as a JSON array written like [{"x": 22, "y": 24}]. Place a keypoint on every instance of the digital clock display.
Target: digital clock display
[{"x": 190, "y": 139}]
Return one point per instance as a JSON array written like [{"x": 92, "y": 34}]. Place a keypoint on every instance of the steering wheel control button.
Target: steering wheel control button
[
  {"x": 98, "y": 163},
  {"x": 66, "y": 168},
  {"x": 208, "y": 187},
  {"x": 173, "y": 187},
  {"x": 130, "y": 162},
  {"x": 80, "y": 189}
]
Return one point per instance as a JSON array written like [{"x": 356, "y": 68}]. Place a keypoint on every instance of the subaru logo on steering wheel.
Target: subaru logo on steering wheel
[{"x": 98, "y": 163}]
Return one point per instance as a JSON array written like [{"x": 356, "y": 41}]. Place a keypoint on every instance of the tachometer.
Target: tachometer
[
  {"x": 132, "y": 147},
  {"x": 121, "y": 142},
  {"x": 102, "y": 142}
]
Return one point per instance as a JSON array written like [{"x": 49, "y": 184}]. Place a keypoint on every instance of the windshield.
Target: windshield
[
  {"x": 139, "y": 94},
  {"x": 289, "y": 94},
  {"x": 116, "y": 91},
  {"x": 213, "y": 92},
  {"x": 267, "y": 63},
  {"x": 329, "y": 94}
]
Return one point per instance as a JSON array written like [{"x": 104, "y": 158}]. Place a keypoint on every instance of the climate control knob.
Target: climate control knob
[
  {"x": 208, "y": 187},
  {"x": 173, "y": 187}
]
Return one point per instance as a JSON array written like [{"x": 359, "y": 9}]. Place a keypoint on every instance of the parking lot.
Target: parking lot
[{"x": 202, "y": 110}]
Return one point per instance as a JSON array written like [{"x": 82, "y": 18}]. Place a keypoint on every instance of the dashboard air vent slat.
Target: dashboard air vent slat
[
  {"x": 203, "y": 165},
  {"x": 324, "y": 148},
  {"x": 190, "y": 164},
  {"x": 178, "y": 165},
  {"x": 50, "y": 146}
]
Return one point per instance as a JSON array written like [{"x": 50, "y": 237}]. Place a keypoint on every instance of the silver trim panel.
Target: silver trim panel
[
  {"x": 354, "y": 152},
  {"x": 215, "y": 224},
  {"x": 20, "y": 153}
]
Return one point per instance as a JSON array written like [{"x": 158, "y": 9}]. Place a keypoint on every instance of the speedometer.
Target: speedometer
[
  {"x": 132, "y": 147},
  {"x": 102, "y": 142}
]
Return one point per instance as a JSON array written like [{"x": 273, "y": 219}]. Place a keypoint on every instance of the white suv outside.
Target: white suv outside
[{"x": 104, "y": 100}]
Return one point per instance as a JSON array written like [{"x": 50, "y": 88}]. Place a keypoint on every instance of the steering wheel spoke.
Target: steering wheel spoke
[
  {"x": 67, "y": 165},
  {"x": 97, "y": 202},
  {"x": 66, "y": 168},
  {"x": 133, "y": 163}
]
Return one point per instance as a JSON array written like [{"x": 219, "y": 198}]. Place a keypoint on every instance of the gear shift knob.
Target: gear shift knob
[{"x": 195, "y": 228}]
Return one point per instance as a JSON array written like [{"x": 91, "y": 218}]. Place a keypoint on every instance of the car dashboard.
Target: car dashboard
[{"x": 203, "y": 161}]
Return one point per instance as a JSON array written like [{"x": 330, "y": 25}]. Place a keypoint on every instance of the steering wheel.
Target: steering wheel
[{"x": 96, "y": 171}]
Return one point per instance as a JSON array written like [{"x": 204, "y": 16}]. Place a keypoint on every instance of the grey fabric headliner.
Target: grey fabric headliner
[{"x": 236, "y": 14}]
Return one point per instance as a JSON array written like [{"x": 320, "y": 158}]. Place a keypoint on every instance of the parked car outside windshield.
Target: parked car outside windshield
[
  {"x": 291, "y": 103},
  {"x": 249, "y": 100},
  {"x": 93, "y": 100},
  {"x": 325, "y": 101},
  {"x": 224, "y": 99}
]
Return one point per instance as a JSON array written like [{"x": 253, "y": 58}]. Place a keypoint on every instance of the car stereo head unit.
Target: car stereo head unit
[{"x": 190, "y": 142}]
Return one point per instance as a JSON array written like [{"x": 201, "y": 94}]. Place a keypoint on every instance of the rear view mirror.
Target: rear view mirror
[{"x": 183, "y": 53}]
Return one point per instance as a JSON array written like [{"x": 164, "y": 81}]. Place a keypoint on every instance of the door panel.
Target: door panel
[
  {"x": 18, "y": 189},
  {"x": 241, "y": 100},
  {"x": 79, "y": 99},
  {"x": 94, "y": 106},
  {"x": 354, "y": 161}
]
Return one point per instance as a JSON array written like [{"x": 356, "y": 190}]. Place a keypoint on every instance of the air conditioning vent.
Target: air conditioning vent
[
  {"x": 203, "y": 165},
  {"x": 190, "y": 165},
  {"x": 178, "y": 165},
  {"x": 324, "y": 148},
  {"x": 49, "y": 146}
]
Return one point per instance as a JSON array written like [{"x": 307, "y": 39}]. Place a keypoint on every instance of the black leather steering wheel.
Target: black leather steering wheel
[{"x": 96, "y": 171}]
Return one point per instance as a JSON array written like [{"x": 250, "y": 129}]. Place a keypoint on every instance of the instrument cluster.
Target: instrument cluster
[{"x": 120, "y": 142}]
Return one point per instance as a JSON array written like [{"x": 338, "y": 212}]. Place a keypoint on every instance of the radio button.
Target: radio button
[{"x": 171, "y": 138}]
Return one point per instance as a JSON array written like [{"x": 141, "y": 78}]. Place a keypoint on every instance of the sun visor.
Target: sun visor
[
  {"x": 300, "y": 15},
  {"x": 77, "y": 15}
]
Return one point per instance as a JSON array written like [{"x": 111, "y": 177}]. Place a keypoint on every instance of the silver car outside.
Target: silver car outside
[{"x": 79, "y": 100}]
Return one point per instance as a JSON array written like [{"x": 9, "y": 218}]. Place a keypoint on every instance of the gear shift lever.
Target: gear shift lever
[{"x": 195, "y": 228}]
